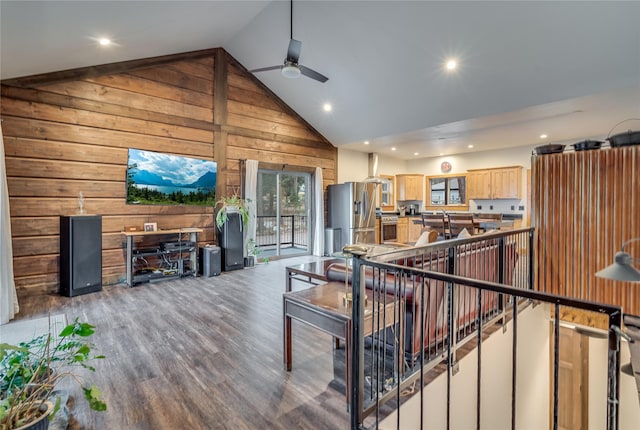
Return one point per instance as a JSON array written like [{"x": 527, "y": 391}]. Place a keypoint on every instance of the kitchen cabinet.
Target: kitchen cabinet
[
  {"x": 403, "y": 225},
  {"x": 499, "y": 183},
  {"x": 409, "y": 187},
  {"x": 414, "y": 229}
]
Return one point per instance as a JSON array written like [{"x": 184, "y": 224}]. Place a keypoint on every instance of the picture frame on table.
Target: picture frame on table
[{"x": 150, "y": 226}]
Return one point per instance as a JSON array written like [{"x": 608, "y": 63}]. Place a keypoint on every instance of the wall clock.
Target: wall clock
[{"x": 445, "y": 166}]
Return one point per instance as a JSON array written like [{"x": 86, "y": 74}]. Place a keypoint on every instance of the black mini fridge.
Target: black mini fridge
[{"x": 230, "y": 239}]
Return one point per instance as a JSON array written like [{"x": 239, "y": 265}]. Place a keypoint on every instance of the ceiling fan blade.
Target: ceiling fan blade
[
  {"x": 264, "y": 69},
  {"x": 310, "y": 73},
  {"x": 293, "y": 53}
]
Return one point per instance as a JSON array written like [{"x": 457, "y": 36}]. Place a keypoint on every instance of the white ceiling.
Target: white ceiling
[{"x": 568, "y": 69}]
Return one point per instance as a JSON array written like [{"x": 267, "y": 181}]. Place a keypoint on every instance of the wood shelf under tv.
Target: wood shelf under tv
[{"x": 179, "y": 259}]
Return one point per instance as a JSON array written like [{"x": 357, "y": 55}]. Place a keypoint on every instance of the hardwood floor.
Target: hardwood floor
[{"x": 203, "y": 353}]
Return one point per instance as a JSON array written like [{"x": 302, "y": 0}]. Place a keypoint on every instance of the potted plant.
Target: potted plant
[
  {"x": 253, "y": 252},
  {"x": 30, "y": 371},
  {"x": 231, "y": 204}
]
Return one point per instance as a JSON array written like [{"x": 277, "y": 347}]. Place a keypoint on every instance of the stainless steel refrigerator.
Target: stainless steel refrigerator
[{"x": 351, "y": 208}]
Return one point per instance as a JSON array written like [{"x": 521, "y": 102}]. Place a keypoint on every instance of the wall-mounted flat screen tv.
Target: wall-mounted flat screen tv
[{"x": 155, "y": 178}]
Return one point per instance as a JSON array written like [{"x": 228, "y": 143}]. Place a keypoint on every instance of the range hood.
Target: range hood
[{"x": 373, "y": 170}]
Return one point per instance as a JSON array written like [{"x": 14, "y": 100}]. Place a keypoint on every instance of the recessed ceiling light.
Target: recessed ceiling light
[
  {"x": 469, "y": 146},
  {"x": 104, "y": 41},
  {"x": 327, "y": 107},
  {"x": 441, "y": 154},
  {"x": 451, "y": 64},
  {"x": 366, "y": 142},
  {"x": 543, "y": 136},
  {"x": 393, "y": 149},
  {"x": 416, "y": 153}
]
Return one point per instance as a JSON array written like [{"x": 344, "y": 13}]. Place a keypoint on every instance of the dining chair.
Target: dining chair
[
  {"x": 494, "y": 220},
  {"x": 436, "y": 222},
  {"x": 458, "y": 222}
]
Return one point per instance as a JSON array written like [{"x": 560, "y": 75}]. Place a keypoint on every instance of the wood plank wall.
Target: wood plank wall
[
  {"x": 585, "y": 205},
  {"x": 70, "y": 131}
]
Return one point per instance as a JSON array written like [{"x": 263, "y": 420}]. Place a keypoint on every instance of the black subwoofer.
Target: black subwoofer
[
  {"x": 210, "y": 261},
  {"x": 80, "y": 254}
]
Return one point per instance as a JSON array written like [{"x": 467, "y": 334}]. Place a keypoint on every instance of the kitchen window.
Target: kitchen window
[
  {"x": 385, "y": 194},
  {"x": 447, "y": 190}
]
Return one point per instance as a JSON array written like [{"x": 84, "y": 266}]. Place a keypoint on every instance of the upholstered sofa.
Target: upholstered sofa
[{"x": 478, "y": 260}]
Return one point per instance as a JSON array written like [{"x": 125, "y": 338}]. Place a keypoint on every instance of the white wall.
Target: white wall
[
  {"x": 532, "y": 383},
  {"x": 354, "y": 165},
  {"x": 519, "y": 156}
]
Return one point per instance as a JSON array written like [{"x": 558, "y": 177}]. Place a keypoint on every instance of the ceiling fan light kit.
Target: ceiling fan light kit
[{"x": 290, "y": 71}]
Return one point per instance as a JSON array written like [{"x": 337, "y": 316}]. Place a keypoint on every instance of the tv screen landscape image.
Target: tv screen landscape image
[{"x": 155, "y": 178}]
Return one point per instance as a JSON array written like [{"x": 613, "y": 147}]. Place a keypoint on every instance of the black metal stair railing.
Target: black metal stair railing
[{"x": 451, "y": 294}]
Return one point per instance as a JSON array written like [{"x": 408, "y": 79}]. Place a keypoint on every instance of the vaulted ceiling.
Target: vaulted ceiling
[{"x": 570, "y": 70}]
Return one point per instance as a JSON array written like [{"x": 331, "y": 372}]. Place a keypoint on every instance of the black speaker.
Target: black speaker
[
  {"x": 80, "y": 254},
  {"x": 210, "y": 261},
  {"x": 231, "y": 243}
]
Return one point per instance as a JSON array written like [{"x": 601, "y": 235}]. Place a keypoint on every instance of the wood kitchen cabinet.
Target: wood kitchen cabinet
[
  {"x": 414, "y": 229},
  {"x": 403, "y": 227},
  {"x": 499, "y": 183},
  {"x": 409, "y": 187}
]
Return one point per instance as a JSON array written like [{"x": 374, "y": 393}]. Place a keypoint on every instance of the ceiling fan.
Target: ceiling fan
[{"x": 291, "y": 68}]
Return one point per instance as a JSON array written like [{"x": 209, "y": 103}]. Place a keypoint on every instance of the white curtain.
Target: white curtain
[
  {"x": 318, "y": 218},
  {"x": 250, "y": 193},
  {"x": 8, "y": 298}
]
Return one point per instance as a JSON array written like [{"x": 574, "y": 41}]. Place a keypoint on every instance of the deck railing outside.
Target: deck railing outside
[
  {"x": 447, "y": 296},
  {"x": 294, "y": 230}
]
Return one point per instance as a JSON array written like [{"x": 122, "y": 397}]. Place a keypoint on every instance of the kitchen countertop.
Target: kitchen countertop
[{"x": 506, "y": 216}]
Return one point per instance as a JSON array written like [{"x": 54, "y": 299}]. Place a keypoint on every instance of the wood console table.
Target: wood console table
[
  {"x": 322, "y": 307},
  {"x": 177, "y": 246}
]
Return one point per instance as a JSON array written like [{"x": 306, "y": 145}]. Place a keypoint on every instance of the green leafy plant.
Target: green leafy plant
[
  {"x": 233, "y": 203},
  {"x": 253, "y": 250},
  {"x": 30, "y": 371}
]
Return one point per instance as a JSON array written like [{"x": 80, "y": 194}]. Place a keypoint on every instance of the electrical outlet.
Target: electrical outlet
[
  {"x": 491, "y": 207},
  {"x": 513, "y": 208},
  {"x": 479, "y": 207},
  {"x": 520, "y": 208}
]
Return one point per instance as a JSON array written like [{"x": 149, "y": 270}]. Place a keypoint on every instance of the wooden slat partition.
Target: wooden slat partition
[
  {"x": 70, "y": 131},
  {"x": 586, "y": 204}
]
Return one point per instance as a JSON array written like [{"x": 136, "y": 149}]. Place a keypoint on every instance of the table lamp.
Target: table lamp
[{"x": 622, "y": 268}]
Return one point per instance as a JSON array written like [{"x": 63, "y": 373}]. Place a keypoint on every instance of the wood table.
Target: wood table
[
  {"x": 310, "y": 272},
  {"x": 322, "y": 307}
]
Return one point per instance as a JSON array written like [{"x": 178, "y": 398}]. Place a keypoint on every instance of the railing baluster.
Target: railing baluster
[
  {"x": 556, "y": 362},
  {"x": 514, "y": 362}
]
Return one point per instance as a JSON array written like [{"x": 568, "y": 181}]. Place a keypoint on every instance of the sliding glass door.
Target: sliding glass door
[{"x": 283, "y": 213}]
